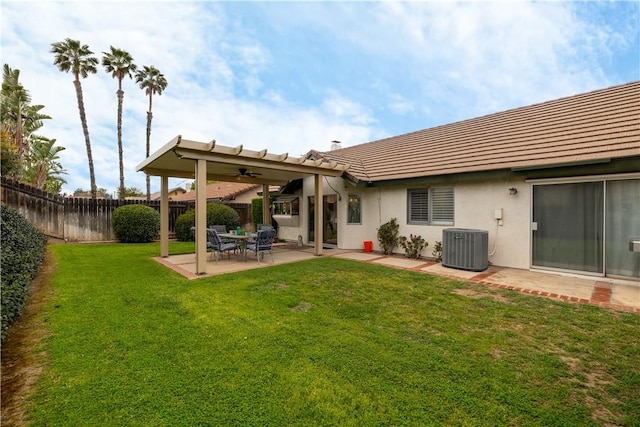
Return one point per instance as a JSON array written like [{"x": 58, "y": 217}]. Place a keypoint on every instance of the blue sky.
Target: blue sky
[{"x": 293, "y": 76}]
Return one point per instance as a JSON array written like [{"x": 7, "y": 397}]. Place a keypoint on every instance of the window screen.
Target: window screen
[{"x": 430, "y": 205}]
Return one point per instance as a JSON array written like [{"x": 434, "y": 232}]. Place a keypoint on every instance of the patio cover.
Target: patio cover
[{"x": 181, "y": 158}]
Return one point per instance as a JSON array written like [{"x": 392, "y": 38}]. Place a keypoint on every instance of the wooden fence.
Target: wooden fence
[{"x": 84, "y": 219}]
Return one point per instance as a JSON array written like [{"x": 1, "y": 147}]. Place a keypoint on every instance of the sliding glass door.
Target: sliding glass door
[
  {"x": 330, "y": 221},
  {"x": 568, "y": 226},
  {"x": 622, "y": 226},
  {"x": 587, "y": 227}
]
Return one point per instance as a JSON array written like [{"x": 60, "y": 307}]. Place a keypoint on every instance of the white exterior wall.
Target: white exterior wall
[
  {"x": 291, "y": 233},
  {"x": 247, "y": 196},
  {"x": 475, "y": 204},
  {"x": 474, "y": 208}
]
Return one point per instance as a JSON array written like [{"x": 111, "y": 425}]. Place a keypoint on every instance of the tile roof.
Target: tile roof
[
  {"x": 219, "y": 190},
  {"x": 597, "y": 125}
]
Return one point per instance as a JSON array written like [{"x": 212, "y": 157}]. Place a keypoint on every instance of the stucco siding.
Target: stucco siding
[
  {"x": 474, "y": 203},
  {"x": 509, "y": 238},
  {"x": 291, "y": 234}
]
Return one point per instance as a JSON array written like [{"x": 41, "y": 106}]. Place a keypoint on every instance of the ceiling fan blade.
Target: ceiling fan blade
[{"x": 246, "y": 172}]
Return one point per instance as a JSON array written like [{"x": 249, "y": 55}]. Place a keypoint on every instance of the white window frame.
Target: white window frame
[{"x": 437, "y": 201}]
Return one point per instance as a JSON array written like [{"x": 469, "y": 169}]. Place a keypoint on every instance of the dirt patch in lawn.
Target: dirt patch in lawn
[
  {"x": 22, "y": 365},
  {"x": 591, "y": 384},
  {"x": 471, "y": 293},
  {"x": 303, "y": 307}
]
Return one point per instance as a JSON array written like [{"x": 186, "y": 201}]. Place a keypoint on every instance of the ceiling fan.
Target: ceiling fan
[{"x": 246, "y": 172}]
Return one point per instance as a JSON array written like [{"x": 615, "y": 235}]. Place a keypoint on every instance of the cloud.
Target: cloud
[{"x": 294, "y": 76}]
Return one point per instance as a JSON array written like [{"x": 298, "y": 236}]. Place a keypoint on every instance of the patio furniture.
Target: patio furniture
[
  {"x": 265, "y": 227},
  {"x": 241, "y": 240},
  {"x": 219, "y": 228},
  {"x": 222, "y": 229},
  {"x": 217, "y": 245},
  {"x": 263, "y": 243}
]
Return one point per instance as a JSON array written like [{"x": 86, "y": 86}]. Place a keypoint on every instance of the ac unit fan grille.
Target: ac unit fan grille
[{"x": 465, "y": 249}]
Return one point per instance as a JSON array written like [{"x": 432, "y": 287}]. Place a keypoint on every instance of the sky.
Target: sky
[{"x": 294, "y": 76}]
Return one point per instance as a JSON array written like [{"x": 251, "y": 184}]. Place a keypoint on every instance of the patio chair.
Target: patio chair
[
  {"x": 217, "y": 246},
  {"x": 263, "y": 243},
  {"x": 222, "y": 229},
  {"x": 262, "y": 227},
  {"x": 219, "y": 228}
]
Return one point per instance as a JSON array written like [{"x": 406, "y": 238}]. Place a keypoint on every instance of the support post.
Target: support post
[
  {"x": 319, "y": 215},
  {"x": 201, "y": 216},
  {"x": 266, "y": 217},
  {"x": 164, "y": 216}
]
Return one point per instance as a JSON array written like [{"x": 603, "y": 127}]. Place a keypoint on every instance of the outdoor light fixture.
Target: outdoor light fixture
[{"x": 513, "y": 191}]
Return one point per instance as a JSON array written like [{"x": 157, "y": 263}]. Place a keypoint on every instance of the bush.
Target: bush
[
  {"x": 135, "y": 223},
  {"x": 22, "y": 252},
  {"x": 413, "y": 245},
  {"x": 256, "y": 212},
  {"x": 217, "y": 214},
  {"x": 388, "y": 236},
  {"x": 437, "y": 251}
]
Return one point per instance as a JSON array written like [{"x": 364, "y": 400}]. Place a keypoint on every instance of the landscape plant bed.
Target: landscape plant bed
[{"x": 320, "y": 342}]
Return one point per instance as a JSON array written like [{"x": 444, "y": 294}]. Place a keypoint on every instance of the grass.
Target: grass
[{"x": 321, "y": 342}]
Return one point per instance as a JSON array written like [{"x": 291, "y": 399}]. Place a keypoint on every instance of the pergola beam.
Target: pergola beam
[{"x": 181, "y": 158}]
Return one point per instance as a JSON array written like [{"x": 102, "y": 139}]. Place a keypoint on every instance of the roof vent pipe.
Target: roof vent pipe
[{"x": 335, "y": 145}]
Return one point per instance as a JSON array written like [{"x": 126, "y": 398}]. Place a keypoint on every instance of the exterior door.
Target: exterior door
[
  {"x": 622, "y": 226},
  {"x": 568, "y": 226},
  {"x": 587, "y": 227},
  {"x": 330, "y": 220}
]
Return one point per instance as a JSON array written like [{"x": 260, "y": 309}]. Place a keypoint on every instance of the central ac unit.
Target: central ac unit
[{"x": 465, "y": 249}]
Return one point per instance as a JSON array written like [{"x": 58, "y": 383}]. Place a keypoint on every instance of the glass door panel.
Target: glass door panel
[
  {"x": 568, "y": 226},
  {"x": 623, "y": 225},
  {"x": 330, "y": 220}
]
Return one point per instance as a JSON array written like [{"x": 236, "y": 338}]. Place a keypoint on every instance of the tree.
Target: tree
[
  {"x": 120, "y": 64},
  {"x": 152, "y": 81},
  {"x": 101, "y": 192},
  {"x": 133, "y": 192},
  {"x": 44, "y": 168},
  {"x": 72, "y": 56},
  {"x": 19, "y": 122}
]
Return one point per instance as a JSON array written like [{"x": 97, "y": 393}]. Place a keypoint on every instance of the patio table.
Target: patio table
[{"x": 242, "y": 241}]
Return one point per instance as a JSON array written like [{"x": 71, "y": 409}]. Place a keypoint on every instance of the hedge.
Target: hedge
[
  {"x": 135, "y": 223},
  {"x": 22, "y": 253},
  {"x": 217, "y": 214}
]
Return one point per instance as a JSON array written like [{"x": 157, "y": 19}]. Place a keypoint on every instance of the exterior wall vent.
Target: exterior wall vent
[{"x": 465, "y": 249}]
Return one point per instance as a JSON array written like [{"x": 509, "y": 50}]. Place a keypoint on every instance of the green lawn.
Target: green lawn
[{"x": 321, "y": 342}]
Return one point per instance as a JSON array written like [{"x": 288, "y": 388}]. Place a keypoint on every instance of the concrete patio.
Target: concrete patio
[{"x": 617, "y": 294}]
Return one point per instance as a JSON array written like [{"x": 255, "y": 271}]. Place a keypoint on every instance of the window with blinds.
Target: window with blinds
[
  {"x": 419, "y": 206},
  {"x": 442, "y": 205},
  {"x": 430, "y": 206}
]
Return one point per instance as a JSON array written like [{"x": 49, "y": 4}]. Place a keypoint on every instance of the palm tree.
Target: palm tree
[
  {"x": 71, "y": 56},
  {"x": 19, "y": 119},
  {"x": 152, "y": 81},
  {"x": 44, "y": 168},
  {"x": 120, "y": 64}
]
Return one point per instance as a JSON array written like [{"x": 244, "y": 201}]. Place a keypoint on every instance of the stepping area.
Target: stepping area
[{"x": 617, "y": 294}]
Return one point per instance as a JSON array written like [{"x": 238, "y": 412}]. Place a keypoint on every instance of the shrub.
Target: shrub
[
  {"x": 217, "y": 214},
  {"x": 388, "y": 236},
  {"x": 413, "y": 245},
  {"x": 135, "y": 223},
  {"x": 256, "y": 212},
  {"x": 437, "y": 251},
  {"x": 22, "y": 252},
  {"x": 184, "y": 222}
]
